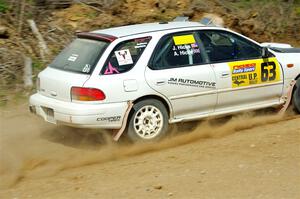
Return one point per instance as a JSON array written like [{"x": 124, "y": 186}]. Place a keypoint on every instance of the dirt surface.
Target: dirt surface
[{"x": 246, "y": 156}]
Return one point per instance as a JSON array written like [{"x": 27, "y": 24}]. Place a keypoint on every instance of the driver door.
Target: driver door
[{"x": 244, "y": 79}]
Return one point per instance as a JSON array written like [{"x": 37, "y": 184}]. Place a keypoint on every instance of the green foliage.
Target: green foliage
[
  {"x": 92, "y": 15},
  {"x": 29, "y": 15},
  {"x": 3, "y": 6},
  {"x": 37, "y": 65}
]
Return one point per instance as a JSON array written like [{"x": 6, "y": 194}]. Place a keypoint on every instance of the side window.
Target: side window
[
  {"x": 124, "y": 56},
  {"x": 224, "y": 46},
  {"x": 176, "y": 50}
]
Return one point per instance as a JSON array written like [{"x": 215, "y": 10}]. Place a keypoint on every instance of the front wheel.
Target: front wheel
[
  {"x": 296, "y": 96},
  {"x": 148, "y": 121}
]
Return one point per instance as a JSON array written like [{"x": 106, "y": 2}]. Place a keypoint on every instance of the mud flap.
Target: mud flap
[
  {"x": 117, "y": 136},
  {"x": 296, "y": 97},
  {"x": 288, "y": 97}
]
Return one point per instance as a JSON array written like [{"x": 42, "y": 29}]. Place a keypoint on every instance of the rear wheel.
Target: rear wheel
[
  {"x": 148, "y": 121},
  {"x": 296, "y": 96}
]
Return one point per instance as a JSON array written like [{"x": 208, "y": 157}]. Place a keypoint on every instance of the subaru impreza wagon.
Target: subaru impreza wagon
[{"x": 138, "y": 79}]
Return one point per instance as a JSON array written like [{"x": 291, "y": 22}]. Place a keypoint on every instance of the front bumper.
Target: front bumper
[{"x": 82, "y": 115}]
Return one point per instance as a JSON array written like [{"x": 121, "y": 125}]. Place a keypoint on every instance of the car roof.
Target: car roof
[{"x": 123, "y": 31}]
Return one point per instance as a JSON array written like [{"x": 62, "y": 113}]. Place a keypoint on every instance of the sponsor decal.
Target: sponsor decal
[
  {"x": 141, "y": 45},
  {"x": 244, "y": 68},
  {"x": 86, "y": 68},
  {"x": 109, "y": 119},
  {"x": 190, "y": 82},
  {"x": 111, "y": 70},
  {"x": 73, "y": 57},
  {"x": 184, "y": 39},
  {"x": 247, "y": 73},
  {"x": 123, "y": 57}
]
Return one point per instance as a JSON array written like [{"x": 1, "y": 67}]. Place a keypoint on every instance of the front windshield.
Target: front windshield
[{"x": 80, "y": 56}]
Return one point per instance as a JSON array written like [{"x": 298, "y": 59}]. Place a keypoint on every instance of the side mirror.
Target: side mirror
[{"x": 264, "y": 52}]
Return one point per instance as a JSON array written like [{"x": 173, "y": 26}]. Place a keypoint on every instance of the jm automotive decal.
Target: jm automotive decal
[
  {"x": 189, "y": 82},
  {"x": 247, "y": 73}
]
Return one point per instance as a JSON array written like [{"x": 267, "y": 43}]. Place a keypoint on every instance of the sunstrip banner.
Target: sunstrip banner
[
  {"x": 252, "y": 72},
  {"x": 184, "y": 39}
]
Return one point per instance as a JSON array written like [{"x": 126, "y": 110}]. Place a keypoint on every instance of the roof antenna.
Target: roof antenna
[{"x": 181, "y": 19}]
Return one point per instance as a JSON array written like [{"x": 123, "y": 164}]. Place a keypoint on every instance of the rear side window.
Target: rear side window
[
  {"x": 124, "y": 56},
  {"x": 177, "y": 50},
  {"x": 80, "y": 56}
]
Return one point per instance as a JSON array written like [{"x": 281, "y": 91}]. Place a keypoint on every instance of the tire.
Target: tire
[
  {"x": 296, "y": 97},
  {"x": 148, "y": 121}
]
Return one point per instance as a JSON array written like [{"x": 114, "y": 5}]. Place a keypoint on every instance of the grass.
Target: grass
[
  {"x": 91, "y": 15},
  {"x": 37, "y": 66}
]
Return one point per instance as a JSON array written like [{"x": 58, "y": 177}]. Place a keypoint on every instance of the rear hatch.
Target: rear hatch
[{"x": 72, "y": 67}]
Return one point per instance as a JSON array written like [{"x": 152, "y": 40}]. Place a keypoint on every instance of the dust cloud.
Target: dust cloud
[{"x": 31, "y": 148}]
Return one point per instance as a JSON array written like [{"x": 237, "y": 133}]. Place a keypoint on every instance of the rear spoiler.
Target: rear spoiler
[{"x": 96, "y": 36}]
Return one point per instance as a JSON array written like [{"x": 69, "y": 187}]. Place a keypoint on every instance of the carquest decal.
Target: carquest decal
[
  {"x": 190, "y": 82},
  {"x": 247, "y": 73},
  {"x": 184, "y": 39}
]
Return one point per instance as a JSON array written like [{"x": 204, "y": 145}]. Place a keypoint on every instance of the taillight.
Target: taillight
[{"x": 87, "y": 94}]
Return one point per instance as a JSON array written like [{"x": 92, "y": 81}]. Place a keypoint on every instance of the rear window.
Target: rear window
[{"x": 80, "y": 56}]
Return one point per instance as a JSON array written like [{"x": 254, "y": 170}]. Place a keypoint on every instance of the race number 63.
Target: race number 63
[{"x": 268, "y": 71}]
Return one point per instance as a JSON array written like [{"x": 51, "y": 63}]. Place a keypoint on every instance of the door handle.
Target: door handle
[
  {"x": 53, "y": 93},
  {"x": 160, "y": 82},
  {"x": 225, "y": 74}
]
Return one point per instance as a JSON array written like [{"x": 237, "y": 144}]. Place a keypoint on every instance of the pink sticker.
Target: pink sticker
[{"x": 110, "y": 70}]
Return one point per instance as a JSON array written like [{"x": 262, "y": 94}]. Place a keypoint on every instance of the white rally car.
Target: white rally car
[{"x": 137, "y": 79}]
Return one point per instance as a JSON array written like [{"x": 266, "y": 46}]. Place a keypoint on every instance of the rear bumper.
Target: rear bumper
[{"x": 106, "y": 116}]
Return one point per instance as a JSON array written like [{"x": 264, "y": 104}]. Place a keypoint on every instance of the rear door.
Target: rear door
[
  {"x": 179, "y": 71},
  {"x": 120, "y": 77},
  {"x": 244, "y": 79}
]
